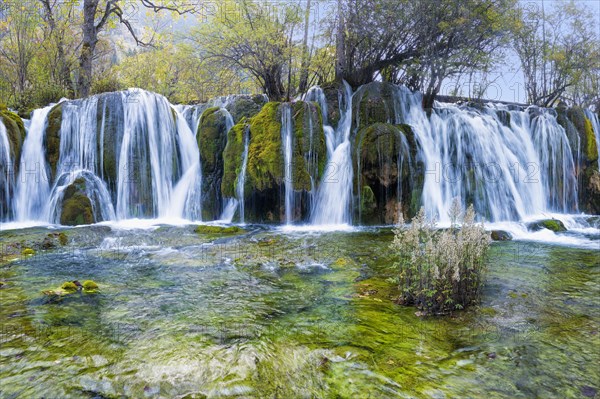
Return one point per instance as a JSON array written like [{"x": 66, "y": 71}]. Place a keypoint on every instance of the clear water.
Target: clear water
[{"x": 283, "y": 314}]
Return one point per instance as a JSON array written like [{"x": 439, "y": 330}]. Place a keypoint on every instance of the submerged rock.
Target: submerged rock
[
  {"x": 205, "y": 229},
  {"x": 554, "y": 225},
  {"x": 500, "y": 235}
]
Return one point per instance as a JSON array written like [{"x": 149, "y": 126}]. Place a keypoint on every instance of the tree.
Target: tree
[
  {"x": 20, "y": 43},
  {"x": 558, "y": 49},
  {"x": 456, "y": 38},
  {"x": 96, "y": 16},
  {"x": 372, "y": 35},
  {"x": 255, "y": 38}
]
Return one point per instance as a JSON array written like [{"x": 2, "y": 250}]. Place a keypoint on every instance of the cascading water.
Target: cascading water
[
  {"x": 186, "y": 200},
  {"x": 595, "y": 120},
  {"x": 33, "y": 184},
  {"x": 507, "y": 172},
  {"x": 334, "y": 195},
  {"x": 6, "y": 173},
  {"x": 95, "y": 189},
  {"x": 241, "y": 180},
  {"x": 286, "y": 140}
]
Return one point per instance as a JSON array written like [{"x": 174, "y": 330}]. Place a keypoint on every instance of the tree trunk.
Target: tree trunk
[
  {"x": 64, "y": 72},
  {"x": 304, "y": 67},
  {"x": 90, "y": 39},
  {"x": 340, "y": 46}
]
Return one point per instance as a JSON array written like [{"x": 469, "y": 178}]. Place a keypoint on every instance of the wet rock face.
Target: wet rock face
[
  {"x": 265, "y": 172},
  {"x": 373, "y": 103},
  {"x": 212, "y": 137},
  {"x": 554, "y": 225},
  {"x": 76, "y": 206},
  {"x": 246, "y": 107},
  {"x": 583, "y": 144},
  {"x": 383, "y": 161},
  {"x": 500, "y": 235},
  {"x": 15, "y": 132}
]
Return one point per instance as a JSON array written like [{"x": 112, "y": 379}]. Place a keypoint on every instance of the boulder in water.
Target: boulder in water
[
  {"x": 76, "y": 206},
  {"x": 500, "y": 235},
  {"x": 554, "y": 225}
]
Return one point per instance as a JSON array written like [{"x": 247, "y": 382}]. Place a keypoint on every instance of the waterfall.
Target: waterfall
[
  {"x": 507, "y": 172},
  {"x": 6, "y": 173},
  {"x": 334, "y": 195},
  {"x": 556, "y": 162},
  {"x": 33, "y": 184},
  {"x": 192, "y": 114},
  {"x": 186, "y": 200},
  {"x": 595, "y": 120},
  {"x": 286, "y": 140},
  {"x": 241, "y": 179},
  {"x": 95, "y": 189}
]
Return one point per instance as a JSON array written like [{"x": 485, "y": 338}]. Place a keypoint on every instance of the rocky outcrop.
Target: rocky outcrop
[
  {"x": 15, "y": 130},
  {"x": 583, "y": 144},
  {"x": 384, "y": 168},
  {"x": 265, "y": 172},
  {"x": 245, "y": 106},
  {"x": 212, "y": 137},
  {"x": 76, "y": 206}
]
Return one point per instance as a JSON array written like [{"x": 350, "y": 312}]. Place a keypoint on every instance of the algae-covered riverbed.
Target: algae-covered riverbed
[{"x": 264, "y": 313}]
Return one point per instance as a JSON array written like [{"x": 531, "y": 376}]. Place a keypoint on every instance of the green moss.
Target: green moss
[
  {"x": 304, "y": 115},
  {"x": 591, "y": 147},
  {"x": 500, "y": 235},
  {"x": 554, "y": 225},
  {"x": 69, "y": 286},
  {"x": 211, "y": 139},
  {"x": 15, "y": 130},
  {"x": 63, "y": 239},
  {"x": 245, "y": 107},
  {"x": 53, "y": 137},
  {"x": 265, "y": 159},
  {"x": 210, "y": 230},
  {"x": 89, "y": 285},
  {"x": 28, "y": 252},
  {"x": 76, "y": 206},
  {"x": 368, "y": 203},
  {"x": 232, "y": 158}
]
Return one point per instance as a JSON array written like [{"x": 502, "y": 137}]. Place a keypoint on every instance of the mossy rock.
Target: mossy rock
[
  {"x": 310, "y": 149},
  {"x": 373, "y": 103},
  {"x": 69, "y": 286},
  {"x": 89, "y": 285},
  {"x": 265, "y": 158},
  {"x": 383, "y": 165},
  {"x": 212, "y": 138},
  {"x": 591, "y": 147},
  {"x": 245, "y": 107},
  {"x": 52, "y": 138},
  {"x": 500, "y": 235},
  {"x": 76, "y": 206},
  {"x": 554, "y": 225},
  {"x": 218, "y": 230},
  {"x": 110, "y": 118},
  {"x": 28, "y": 252},
  {"x": 368, "y": 203},
  {"x": 586, "y": 133},
  {"x": 332, "y": 91},
  {"x": 15, "y": 130},
  {"x": 232, "y": 159}
]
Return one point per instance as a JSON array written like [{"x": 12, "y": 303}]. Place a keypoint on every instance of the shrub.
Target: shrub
[{"x": 439, "y": 271}]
